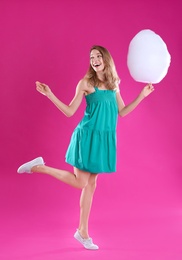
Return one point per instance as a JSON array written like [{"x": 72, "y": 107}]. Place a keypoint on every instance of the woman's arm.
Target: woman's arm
[
  {"x": 124, "y": 110},
  {"x": 70, "y": 109}
]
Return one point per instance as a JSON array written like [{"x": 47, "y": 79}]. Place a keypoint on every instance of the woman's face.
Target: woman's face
[{"x": 96, "y": 60}]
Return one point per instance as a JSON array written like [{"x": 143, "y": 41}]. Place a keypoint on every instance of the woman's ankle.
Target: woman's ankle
[
  {"x": 83, "y": 233},
  {"x": 37, "y": 168}
]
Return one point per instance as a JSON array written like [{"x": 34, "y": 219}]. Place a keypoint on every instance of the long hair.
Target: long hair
[{"x": 111, "y": 79}]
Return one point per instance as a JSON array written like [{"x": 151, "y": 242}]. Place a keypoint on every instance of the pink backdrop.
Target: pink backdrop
[{"x": 137, "y": 212}]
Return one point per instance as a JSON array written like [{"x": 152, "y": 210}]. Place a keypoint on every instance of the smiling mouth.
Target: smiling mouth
[{"x": 96, "y": 65}]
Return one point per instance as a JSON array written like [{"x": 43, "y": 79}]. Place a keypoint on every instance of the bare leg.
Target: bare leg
[
  {"x": 78, "y": 180},
  {"x": 85, "y": 205}
]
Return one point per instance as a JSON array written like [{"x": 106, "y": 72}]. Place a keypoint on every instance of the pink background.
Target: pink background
[{"x": 137, "y": 212}]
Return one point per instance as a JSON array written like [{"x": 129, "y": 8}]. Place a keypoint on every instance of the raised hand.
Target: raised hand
[
  {"x": 147, "y": 90},
  {"x": 43, "y": 88}
]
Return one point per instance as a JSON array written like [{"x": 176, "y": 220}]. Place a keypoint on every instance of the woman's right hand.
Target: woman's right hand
[{"x": 43, "y": 88}]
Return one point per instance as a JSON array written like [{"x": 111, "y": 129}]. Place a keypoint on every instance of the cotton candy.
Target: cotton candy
[{"x": 148, "y": 58}]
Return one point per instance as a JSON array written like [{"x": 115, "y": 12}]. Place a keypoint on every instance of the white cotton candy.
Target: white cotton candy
[{"x": 148, "y": 58}]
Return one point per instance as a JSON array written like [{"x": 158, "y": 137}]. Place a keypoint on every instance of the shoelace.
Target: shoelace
[{"x": 88, "y": 241}]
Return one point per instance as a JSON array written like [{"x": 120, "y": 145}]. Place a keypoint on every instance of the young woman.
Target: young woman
[{"x": 92, "y": 148}]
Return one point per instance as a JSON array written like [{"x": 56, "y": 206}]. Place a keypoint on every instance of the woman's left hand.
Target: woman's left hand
[{"x": 147, "y": 90}]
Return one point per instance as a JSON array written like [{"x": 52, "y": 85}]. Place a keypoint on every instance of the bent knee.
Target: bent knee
[
  {"x": 81, "y": 177},
  {"x": 83, "y": 183},
  {"x": 92, "y": 183}
]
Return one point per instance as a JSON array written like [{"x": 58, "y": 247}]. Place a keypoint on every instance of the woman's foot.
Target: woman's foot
[
  {"x": 86, "y": 242},
  {"x": 26, "y": 167}
]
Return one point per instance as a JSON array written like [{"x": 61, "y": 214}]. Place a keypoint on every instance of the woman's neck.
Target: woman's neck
[{"x": 100, "y": 75}]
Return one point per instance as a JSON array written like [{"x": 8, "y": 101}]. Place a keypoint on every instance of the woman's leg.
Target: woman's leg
[
  {"x": 85, "y": 205},
  {"x": 78, "y": 180}
]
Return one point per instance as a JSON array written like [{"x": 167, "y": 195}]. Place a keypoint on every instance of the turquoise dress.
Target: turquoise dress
[{"x": 93, "y": 143}]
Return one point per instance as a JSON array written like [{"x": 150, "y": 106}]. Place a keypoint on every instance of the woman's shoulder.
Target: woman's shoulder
[
  {"x": 84, "y": 85},
  {"x": 83, "y": 82}
]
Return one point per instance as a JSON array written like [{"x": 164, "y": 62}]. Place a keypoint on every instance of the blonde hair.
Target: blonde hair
[{"x": 111, "y": 79}]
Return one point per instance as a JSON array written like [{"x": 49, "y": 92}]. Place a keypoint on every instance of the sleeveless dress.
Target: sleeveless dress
[{"x": 93, "y": 143}]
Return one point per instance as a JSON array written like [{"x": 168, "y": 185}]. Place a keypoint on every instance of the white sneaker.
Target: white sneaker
[
  {"x": 26, "y": 167},
  {"x": 86, "y": 242}
]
